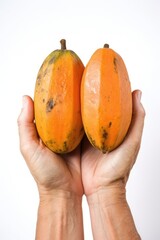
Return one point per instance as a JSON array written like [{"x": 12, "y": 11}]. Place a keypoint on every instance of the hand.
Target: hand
[
  {"x": 104, "y": 178},
  {"x": 52, "y": 172},
  {"x": 58, "y": 178},
  {"x": 104, "y": 171}
]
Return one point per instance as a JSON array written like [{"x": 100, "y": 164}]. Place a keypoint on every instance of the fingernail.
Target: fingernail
[{"x": 139, "y": 95}]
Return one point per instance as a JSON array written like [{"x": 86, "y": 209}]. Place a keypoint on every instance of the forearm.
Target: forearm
[
  {"x": 59, "y": 217},
  {"x": 111, "y": 217}
]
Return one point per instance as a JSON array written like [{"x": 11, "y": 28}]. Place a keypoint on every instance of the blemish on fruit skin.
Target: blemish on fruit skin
[
  {"x": 50, "y": 105},
  {"x": 91, "y": 139},
  {"x": 65, "y": 147},
  {"x": 104, "y": 134},
  {"x": 39, "y": 79},
  {"x": 62, "y": 149},
  {"x": 110, "y": 124},
  {"x": 50, "y": 142},
  {"x": 115, "y": 64}
]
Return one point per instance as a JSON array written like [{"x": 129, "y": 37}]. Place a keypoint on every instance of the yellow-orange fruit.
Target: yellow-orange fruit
[
  {"x": 106, "y": 99},
  {"x": 57, "y": 100}
]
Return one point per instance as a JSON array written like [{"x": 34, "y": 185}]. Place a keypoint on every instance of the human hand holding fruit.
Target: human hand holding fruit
[
  {"x": 63, "y": 168},
  {"x": 104, "y": 178},
  {"x": 106, "y": 170},
  {"x": 58, "y": 178}
]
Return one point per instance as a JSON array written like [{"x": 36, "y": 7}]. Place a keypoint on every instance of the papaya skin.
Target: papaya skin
[
  {"x": 106, "y": 99},
  {"x": 57, "y": 100}
]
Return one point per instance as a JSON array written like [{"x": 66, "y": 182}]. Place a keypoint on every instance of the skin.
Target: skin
[{"x": 63, "y": 179}]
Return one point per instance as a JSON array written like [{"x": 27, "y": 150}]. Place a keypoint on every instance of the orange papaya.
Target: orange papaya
[
  {"x": 106, "y": 99},
  {"x": 57, "y": 103}
]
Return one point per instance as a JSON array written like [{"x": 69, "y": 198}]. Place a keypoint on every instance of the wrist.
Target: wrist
[
  {"x": 50, "y": 199},
  {"x": 110, "y": 215},
  {"x": 107, "y": 196},
  {"x": 59, "y": 216}
]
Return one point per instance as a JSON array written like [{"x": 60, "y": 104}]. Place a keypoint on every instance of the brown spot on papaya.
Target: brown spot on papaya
[
  {"x": 110, "y": 124},
  {"x": 50, "y": 105},
  {"x": 115, "y": 64},
  {"x": 50, "y": 142},
  {"x": 65, "y": 147},
  {"x": 39, "y": 78},
  {"x": 104, "y": 134}
]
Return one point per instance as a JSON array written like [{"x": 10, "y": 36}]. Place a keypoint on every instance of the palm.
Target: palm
[
  {"x": 53, "y": 171},
  {"x": 50, "y": 170},
  {"x": 101, "y": 170}
]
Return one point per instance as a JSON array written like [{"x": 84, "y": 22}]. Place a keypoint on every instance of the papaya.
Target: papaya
[
  {"x": 106, "y": 99},
  {"x": 57, "y": 103}
]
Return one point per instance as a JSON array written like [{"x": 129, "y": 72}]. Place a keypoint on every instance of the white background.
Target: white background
[{"x": 29, "y": 31}]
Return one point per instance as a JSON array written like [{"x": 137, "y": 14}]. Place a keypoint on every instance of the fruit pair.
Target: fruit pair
[{"x": 71, "y": 99}]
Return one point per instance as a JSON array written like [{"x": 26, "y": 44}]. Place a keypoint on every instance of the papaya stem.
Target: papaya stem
[
  {"x": 63, "y": 44},
  {"x": 106, "y": 45}
]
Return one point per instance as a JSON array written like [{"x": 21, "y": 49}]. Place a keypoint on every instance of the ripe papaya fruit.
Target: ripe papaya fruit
[
  {"x": 57, "y": 100},
  {"x": 106, "y": 99}
]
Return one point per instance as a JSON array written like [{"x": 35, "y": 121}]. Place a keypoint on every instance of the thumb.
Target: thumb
[
  {"x": 27, "y": 130},
  {"x": 134, "y": 135}
]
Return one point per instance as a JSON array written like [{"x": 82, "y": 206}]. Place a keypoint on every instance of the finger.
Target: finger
[
  {"x": 136, "y": 128},
  {"x": 27, "y": 131}
]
